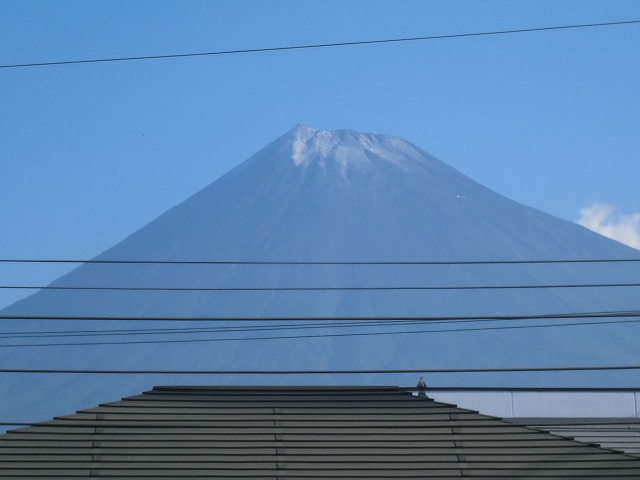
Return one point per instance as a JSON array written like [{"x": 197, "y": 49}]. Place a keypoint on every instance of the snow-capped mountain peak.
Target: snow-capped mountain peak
[{"x": 349, "y": 149}]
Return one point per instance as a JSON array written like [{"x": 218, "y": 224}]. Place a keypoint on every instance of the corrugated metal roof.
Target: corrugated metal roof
[{"x": 295, "y": 432}]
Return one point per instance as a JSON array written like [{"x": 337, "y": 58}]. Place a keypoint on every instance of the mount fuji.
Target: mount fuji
[{"x": 349, "y": 214}]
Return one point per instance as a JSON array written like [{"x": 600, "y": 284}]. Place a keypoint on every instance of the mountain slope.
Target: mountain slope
[{"x": 348, "y": 197}]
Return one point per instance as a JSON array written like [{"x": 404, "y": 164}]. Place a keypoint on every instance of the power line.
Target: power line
[
  {"x": 309, "y": 336},
  {"x": 171, "y": 331},
  {"x": 351, "y": 318},
  {"x": 317, "y": 262},
  {"x": 192, "y": 330},
  {"x": 318, "y": 372},
  {"x": 320, "y": 45},
  {"x": 445, "y": 388},
  {"x": 317, "y": 289},
  {"x": 271, "y": 326}
]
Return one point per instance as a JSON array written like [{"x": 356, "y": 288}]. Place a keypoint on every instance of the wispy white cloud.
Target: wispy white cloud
[{"x": 604, "y": 219}]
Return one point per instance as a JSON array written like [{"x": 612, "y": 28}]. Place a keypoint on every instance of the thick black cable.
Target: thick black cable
[
  {"x": 172, "y": 331},
  {"x": 319, "y": 288},
  {"x": 309, "y": 336},
  {"x": 254, "y": 328},
  {"x": 318, "y": 372},
  {"x": 351, "y": 318},
  {"x": 321, "y": 45},
  {"x": 319, "y": 262},
  {"x": 195, "y": 330}
]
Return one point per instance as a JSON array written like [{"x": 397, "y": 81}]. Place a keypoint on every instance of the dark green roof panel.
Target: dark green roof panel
[{"x": 287, "y": 432}]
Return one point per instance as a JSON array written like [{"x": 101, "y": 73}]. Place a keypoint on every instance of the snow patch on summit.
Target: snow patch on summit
[
  {"x": 301, "y": 153},
  {"x": 349, "y": 150}
]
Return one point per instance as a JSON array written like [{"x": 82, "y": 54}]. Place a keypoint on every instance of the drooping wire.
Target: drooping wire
[
  {"x": 323, "y": 335},
  {"x": 320, "y": 372},
  {"x": 316, "y": 262},
  {"x": 319, "y": 45},
  {"x": 317, "y": 288},
  {"x": 350, "y": 318},
  {"x": 311, "y": 323}
]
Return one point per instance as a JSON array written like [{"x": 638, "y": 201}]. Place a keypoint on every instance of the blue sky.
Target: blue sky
[{"x": 90, "y": 153}]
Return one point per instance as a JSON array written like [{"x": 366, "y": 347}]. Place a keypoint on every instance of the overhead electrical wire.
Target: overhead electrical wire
[
  {"x": 315, "y": 262},
  {"x": 319, "y": 45},
  {"x": 351, "y": 318},
  {"x": 260, "y": 327},
  {"x": 164, "y": 331},
  {"x": 192, "y": 330},
  {"x": 298, "y": 325},
  {"x": 318, "y": 288},
  {"x": 324, "y": 335},
  {"x": 317, "y": 372},
  {"x": 270, "y": 327}
]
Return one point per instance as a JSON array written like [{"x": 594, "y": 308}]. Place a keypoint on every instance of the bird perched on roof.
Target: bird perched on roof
[{"x": 422, "y": 385}]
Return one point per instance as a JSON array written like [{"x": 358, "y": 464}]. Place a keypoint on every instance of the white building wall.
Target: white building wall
[{"x": 517, "y": 404}]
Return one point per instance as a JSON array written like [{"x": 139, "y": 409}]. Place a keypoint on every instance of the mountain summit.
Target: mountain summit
[
  {"x": 347, "y": 196},
  {"x": 349, "y": 214},
  {"x": 350, "y": 150}
]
